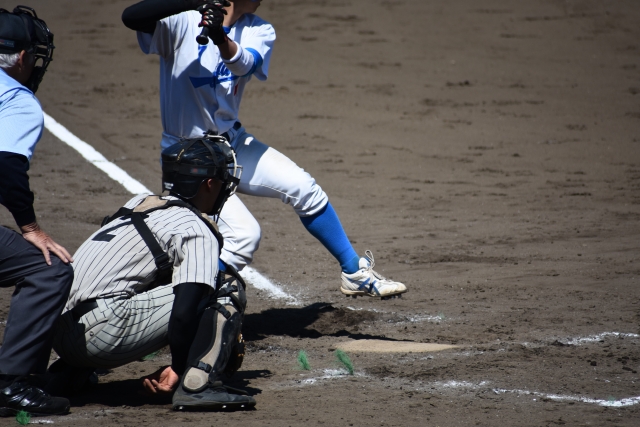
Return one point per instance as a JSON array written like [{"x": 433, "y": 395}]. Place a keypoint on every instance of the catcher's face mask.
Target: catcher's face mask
[
  {"x": 23, "y": 30},
  {"x": 187, "y": 164}
]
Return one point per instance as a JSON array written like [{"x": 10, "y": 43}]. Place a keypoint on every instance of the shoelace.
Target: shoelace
[{"x": 369, "y": 255}]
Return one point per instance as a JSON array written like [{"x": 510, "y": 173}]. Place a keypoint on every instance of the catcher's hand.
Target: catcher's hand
[{"x": 162, "y": 382}]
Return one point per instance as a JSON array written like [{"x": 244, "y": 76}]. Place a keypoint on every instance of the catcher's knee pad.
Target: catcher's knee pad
[{"x": 231, "y": 289}]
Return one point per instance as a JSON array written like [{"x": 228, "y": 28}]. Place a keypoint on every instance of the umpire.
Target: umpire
[{"x": 42, "y": 283}]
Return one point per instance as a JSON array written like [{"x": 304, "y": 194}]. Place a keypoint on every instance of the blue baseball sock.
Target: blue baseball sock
[
  {"x": 221, "y": 265},
  {"x": 326, "y": 227}
]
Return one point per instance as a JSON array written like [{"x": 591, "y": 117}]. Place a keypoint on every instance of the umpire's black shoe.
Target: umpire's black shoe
[
  {"x": 21, "y": 396},
  {"x": 214, "y": 398}
]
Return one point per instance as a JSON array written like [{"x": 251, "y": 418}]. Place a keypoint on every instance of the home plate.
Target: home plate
[{"x": 382, "y": 346}]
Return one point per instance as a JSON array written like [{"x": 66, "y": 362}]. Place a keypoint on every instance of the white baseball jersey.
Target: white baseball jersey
[
  {"x": 198, "y": 92},
  {"x": 116, "y": 262}
]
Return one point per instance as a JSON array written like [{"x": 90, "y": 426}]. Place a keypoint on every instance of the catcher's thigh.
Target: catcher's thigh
[{"x": 117, "y": 331}]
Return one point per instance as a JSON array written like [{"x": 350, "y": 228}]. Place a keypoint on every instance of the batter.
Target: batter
[{"x": 201, "y": 87}]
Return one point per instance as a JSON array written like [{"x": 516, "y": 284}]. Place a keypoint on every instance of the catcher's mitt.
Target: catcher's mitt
[{"x": 236, "y": 358}]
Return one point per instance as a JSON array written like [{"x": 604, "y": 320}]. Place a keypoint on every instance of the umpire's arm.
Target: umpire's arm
[{"x": 16, "y": 196}]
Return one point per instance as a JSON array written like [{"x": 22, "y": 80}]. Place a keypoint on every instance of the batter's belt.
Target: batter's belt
[{"x": 169, "y": 139}]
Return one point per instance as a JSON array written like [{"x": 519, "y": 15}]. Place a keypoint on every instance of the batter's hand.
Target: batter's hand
[
  {"x": 197, "y": 4},
  {"x": 33, "y": 234},
  {"x": 212, "y": 15},
  {"x": 162, "y": 382}
]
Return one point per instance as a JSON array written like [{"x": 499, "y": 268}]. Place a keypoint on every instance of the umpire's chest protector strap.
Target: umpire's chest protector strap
[{"x": 142, "y": 211}]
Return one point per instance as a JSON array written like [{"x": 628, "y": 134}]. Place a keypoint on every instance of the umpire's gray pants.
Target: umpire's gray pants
[
  {"x": 117, "y": 332},
  {"x": 39, "y": 297}
]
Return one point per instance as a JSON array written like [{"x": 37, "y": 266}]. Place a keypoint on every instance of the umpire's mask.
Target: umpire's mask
[
  {"x": 23, "y": 30},
  {"x": 188, "y": 163}
]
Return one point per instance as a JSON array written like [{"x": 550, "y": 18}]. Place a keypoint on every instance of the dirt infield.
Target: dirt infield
[{"x": 487, "y": 152}]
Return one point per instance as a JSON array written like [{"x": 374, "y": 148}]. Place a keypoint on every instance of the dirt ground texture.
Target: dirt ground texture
[{"x": 487, "y": 152}]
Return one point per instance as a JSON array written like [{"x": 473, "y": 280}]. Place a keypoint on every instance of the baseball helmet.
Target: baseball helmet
[
  {"x": 188, "y": 163},
  {"x": 23, "y": 30}
]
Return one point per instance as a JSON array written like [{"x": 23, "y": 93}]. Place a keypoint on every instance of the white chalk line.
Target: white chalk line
[
  {"x": 485, "y": 385},
  {"x": 611, "y": 402},
  {"x": 329, "y": 374},
  {"x": 135, "y": 187},
  {"x": 93, "y": 156},
  {"x": 261, "y": 282},
  {"x": 599, "y": 337}
]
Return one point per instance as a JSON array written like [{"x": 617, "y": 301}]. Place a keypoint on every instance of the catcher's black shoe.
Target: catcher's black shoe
[
  {"x": 64, "y": 379},
  {"x": 214, "y": 398},
  {"x": 22, "y": 396}
]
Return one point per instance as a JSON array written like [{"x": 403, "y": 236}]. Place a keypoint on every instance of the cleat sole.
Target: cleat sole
[{"x": 354, "y": 294}]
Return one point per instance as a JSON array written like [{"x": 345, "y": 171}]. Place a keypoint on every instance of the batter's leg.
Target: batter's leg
[
  {"x": 269, "y": 173},
  {"x": 241, "y": 233}
]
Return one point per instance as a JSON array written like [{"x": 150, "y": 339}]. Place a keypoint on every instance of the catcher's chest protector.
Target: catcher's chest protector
[{"x": 140, "y": 212}]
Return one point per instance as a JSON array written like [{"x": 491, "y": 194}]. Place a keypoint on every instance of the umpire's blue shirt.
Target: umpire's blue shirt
[
  {"x": 21, "y": 124},
  {"x": 21, "y": 119}
]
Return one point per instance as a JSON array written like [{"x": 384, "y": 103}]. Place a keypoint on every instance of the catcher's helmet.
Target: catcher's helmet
[
  {"x": 188, "y": 163},
  {"x": 23, "y": 30}
]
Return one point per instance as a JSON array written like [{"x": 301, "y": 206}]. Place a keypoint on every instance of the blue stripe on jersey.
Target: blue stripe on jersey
[
  {"x": 257, "y": 61},
  {"x": 211, "y": 81}
]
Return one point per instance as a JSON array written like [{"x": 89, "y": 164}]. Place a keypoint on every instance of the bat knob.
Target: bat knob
[{"x": 203, "y": 37}]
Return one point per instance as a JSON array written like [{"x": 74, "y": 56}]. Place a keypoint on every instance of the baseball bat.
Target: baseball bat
[{"x": 203, "y": 37}]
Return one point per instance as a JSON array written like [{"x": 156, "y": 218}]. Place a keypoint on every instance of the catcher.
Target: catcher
[{"x": 147, "y": 278}]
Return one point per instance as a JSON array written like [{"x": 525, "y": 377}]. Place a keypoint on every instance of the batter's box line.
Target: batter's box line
[
  {"x": 599, "y": 337},
  {"x": 264, "y": 284},
  {"x": 610, "y": 402}
]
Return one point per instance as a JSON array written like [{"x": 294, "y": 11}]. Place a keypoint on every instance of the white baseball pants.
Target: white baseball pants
[{"x": 265, "y": 173}]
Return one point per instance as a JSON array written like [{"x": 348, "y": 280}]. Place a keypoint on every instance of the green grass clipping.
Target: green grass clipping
[
  {"x": 303, "y": 361},
  {"x": 23, "y": 418},
  {"x": 151, "y": 356},
  {"x": 344, "y": 360}
]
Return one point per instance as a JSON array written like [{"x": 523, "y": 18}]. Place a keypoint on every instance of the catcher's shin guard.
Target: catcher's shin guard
[
  {"x": 218, "y": 346},
  {"x": 214, "y": 342}
]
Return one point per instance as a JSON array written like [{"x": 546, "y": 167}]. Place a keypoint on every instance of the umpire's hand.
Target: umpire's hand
[{"x": 33, "y": 234}]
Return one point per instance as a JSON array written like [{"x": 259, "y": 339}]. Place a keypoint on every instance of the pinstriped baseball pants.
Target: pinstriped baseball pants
[{"x": 117, "y": 332}]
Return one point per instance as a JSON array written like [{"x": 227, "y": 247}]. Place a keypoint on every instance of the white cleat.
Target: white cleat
[{"x": 367, "y": 282}]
